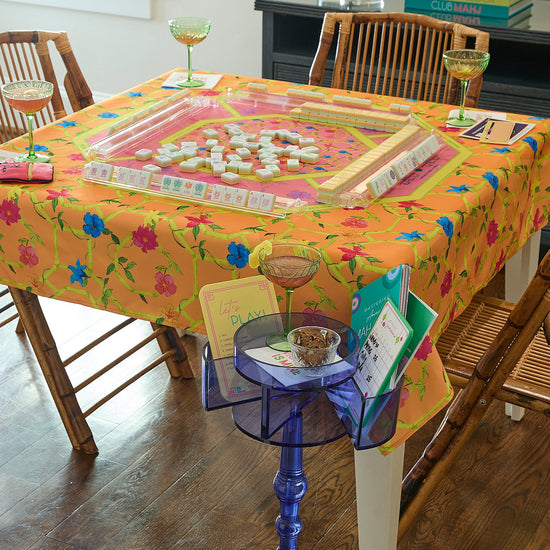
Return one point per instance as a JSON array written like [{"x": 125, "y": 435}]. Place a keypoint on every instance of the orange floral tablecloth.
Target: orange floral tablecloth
[{"x": 147, "y": 257}]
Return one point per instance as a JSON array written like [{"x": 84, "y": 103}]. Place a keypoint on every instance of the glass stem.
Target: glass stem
[
  {"x": 464, "y": 85},
  {"x": 289, "y": 293},
  {"x": 30, "y": 119},
  {"x": 189, "y": 65}
]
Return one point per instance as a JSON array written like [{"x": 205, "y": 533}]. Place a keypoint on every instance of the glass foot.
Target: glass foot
[
  {"x": 278, "y": 341},
  {"x": 194, "y": 83},
  {"x": 36, "y": 158},
  {"x": 461, "y": 123}
]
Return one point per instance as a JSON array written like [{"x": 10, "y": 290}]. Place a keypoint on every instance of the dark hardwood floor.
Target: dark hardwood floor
[{"x": 171, "y": 476}]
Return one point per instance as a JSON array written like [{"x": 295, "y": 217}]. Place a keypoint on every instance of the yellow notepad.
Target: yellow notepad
[{"x": 226, "y": 306}]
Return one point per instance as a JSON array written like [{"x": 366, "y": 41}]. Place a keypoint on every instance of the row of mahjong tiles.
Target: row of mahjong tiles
[{"x": 186, "y": 188}]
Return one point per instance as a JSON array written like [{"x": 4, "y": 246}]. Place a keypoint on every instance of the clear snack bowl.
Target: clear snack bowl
[{"x": 313, "y": 349}]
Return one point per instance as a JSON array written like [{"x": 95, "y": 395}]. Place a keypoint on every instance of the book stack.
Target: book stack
[{"x": 493, "y": 13}]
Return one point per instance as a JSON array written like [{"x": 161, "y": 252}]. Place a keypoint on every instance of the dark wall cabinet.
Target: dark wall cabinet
[{"x": 517, "y": 79}]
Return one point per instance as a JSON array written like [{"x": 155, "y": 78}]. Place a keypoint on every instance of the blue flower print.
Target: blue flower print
[
  {"x": 412, "y": 236},
  {"x": 93, "y": 225},
  {"x": 135, "y": 94},
  {"x": 447, "y": 225},
  {"x": 78, "y": 273},
  {"x": 38, "y": 148},
  {"x": 458, "y": 189},
  {"x": 501, "y": 150},
  {"x": 238, "y": 255},
  {"x": 108, "y": 115},
  {"x": 66, "y": 124},
  {"x": 532, "y": 143},
  {"x": 492, "y": 179}
]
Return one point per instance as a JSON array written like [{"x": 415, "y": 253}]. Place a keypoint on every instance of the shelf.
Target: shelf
[{"x": 514, "y": 81}]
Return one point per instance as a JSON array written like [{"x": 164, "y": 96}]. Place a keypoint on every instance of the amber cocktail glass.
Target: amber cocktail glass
[
  {"x": 289, "y": 265},
  {"x": 29, "y": 97}
]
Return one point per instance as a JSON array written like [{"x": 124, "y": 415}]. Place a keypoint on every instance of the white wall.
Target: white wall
[{"x": 116, "y": 53}]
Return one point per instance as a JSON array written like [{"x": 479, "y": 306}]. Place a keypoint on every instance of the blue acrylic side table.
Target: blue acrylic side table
[{"x": 294, "y": 414}]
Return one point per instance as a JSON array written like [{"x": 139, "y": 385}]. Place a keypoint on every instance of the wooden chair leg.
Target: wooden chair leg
[
  {"x": 6, "y": 307},
  {"x": 20, "y": 329},
  {"x": 47, "y": 354},
  {"x": 178, "y": 362}
]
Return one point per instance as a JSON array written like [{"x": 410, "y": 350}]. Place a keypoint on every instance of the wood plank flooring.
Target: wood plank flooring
[{"x": 171, "y": 476}]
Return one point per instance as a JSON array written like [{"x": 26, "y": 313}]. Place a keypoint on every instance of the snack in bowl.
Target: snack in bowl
[{"x": 312, "y": 348}]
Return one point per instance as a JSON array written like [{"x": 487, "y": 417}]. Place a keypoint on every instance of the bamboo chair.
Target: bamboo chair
[
  {"x": 495, "y": 350},
  {"x": 395, "y": 54},
  {"x": 26, "y": 54},
  {"x": 7, "y": 306}
]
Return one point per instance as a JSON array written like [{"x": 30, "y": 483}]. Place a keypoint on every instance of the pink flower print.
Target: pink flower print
[
  {"x": 194, "y": 221},
  {"x": 145, "y": 238},
  {"x": 168, "y": 313},
  {"x": 355, "y": 222},
  {"x": 404, "y": 397},
  {"x": 500, "y": 262},
  {"x": 27, "y": 255},
  {"x": 310, "y": 310},
  {"x": 492, "y": 232},
  {"x": 452, "y": 314},
  {"x": 478, "y": 263},
  {"x": 539, "y": 219},
  {"x": 73, "y": 170},
  {"x": 165, "y": 284},
  {"x": 409, "y": 204},
  {"x": 424, "y": 350},
  {"x": 54, "y": 194},
  {"x": 37, "y": 284},
  {"x": 446, "y": 284},
  {"x": 76, "y": 157},
  {"x": 350, "y": 253},
  {"x": 9, "y": 212}
]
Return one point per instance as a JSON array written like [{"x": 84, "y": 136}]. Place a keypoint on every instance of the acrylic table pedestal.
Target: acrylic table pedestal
[
  {"x": 293, "y": 414},
  {"x": 303, "y": 413},
  {"x": 315, "y": 424}
]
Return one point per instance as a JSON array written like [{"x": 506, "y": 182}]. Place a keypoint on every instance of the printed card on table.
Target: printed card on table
[
  {"x": 279, "y": 365},
  {"x": 381, "y": 351},
  {"x": 226, "y": 306},
  {"x": 484, "y": 129}
]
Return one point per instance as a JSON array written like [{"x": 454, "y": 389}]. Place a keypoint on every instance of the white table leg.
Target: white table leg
[
  {"x": 520, "y": 269},
  {"x": 378, "y": 488}
]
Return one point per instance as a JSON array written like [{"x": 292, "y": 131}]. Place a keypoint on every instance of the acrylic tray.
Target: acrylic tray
[
  {"x": 330, "y": 406},
  {"x": 261, "y": 365},
  {"x": 369, "y": 421}
]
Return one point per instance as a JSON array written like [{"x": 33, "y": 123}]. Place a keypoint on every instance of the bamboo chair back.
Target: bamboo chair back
[
  {"x": 7, "y": 307},
  {"x": 513, "y": 341},
  {"x": 395, "y": 54},
  {"x": 27, "y": 55}
]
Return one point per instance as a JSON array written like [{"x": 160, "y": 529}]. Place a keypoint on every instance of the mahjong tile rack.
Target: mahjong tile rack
[{"x": 254, "y": 151}]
